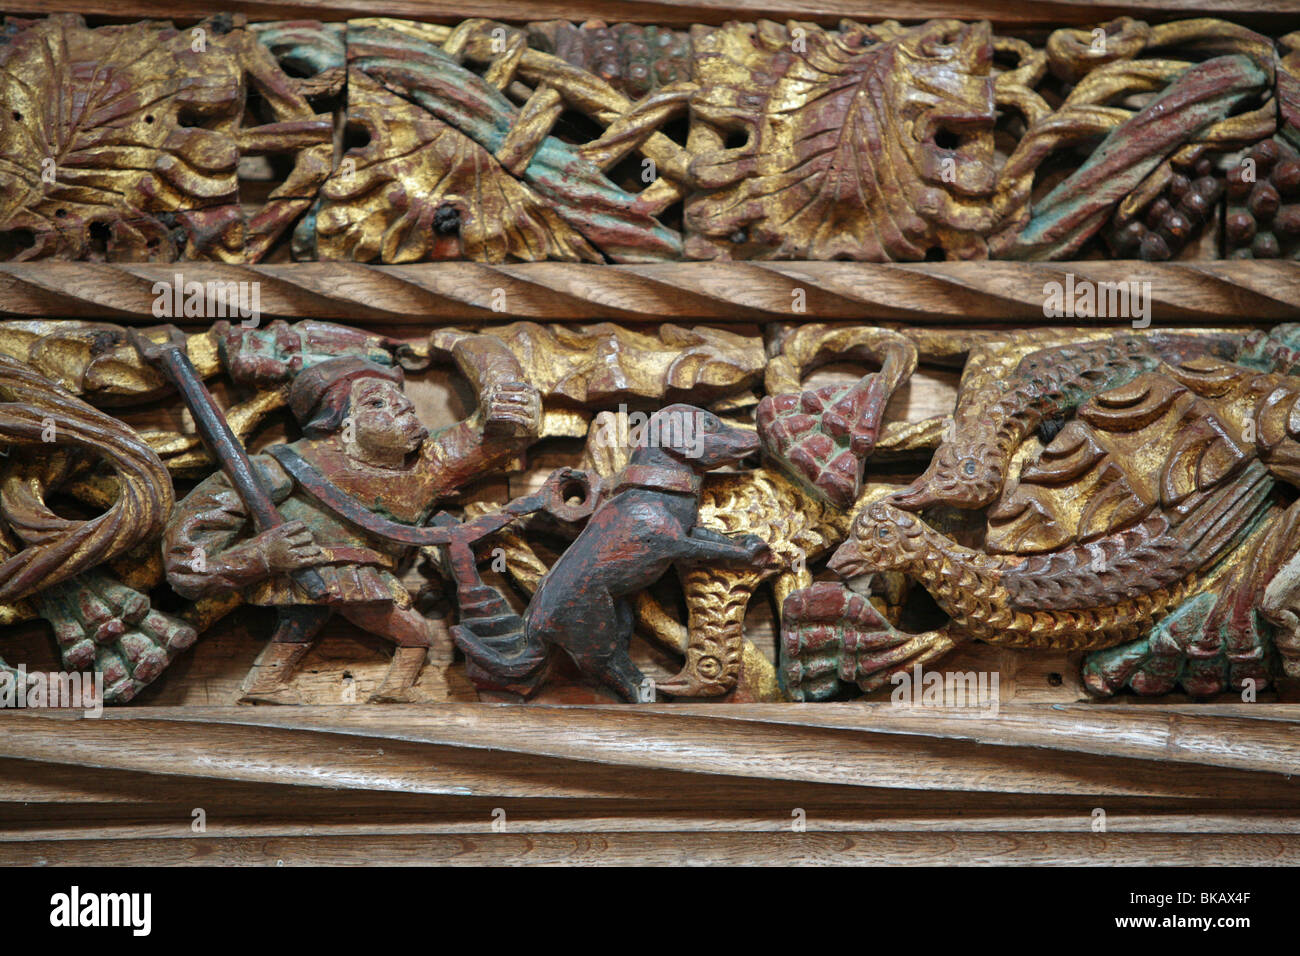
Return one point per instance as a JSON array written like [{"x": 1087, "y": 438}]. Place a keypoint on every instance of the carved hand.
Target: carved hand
[
  {"x": 511, "y": 408},
  {"x": 288, "y": 547}
]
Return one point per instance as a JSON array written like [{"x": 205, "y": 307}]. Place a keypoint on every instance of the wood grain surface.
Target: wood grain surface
[
  {"x": 1218, "y": 292},
  {"x": 482, "y": 784}
]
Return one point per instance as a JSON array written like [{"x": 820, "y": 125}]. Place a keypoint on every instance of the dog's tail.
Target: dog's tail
[{"x": 499, "y": 652}]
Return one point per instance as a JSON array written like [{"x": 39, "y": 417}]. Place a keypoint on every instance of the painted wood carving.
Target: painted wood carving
[
  {"x": 392, "y": 141},
  {"x": 592, "y": 507},
  {"x": 1115, "y": 493}
]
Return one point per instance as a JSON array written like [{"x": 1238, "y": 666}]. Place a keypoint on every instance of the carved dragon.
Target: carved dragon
[{"x": 1146, "y": 523}]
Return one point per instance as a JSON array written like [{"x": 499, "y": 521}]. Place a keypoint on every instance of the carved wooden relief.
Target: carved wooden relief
[
  {"x": 1117, "y": 494},
  {"x": 390, "y": 141},
  {"x": 584, "y": 362}
]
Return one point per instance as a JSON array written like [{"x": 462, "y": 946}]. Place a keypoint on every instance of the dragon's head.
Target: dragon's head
[
  {"x": 882, "y": 538},
  {"x": 965, "y": 475}
]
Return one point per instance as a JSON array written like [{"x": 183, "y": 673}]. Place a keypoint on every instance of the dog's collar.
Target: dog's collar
[{"x": 659, "y": 479}]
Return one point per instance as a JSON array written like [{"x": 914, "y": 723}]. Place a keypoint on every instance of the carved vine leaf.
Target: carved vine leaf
[
  {"x": 92, "y": 143},
  {"x": 870, "y": 144},
  {"x": 123, "y": 142},
  {"x": 1188, "y": 109},
  {"x": 609, "y": 219},
  {"x": 1197, "y": 104},
  {"x": 420, "y": 189}
]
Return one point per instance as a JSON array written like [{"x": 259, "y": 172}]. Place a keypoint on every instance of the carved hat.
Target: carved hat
[{"x": 318, "y": 397}]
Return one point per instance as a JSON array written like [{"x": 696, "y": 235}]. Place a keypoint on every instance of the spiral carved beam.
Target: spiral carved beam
[{"x": 985, "y": 292}]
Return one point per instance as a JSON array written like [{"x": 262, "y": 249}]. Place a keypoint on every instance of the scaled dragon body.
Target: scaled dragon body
[{"x": 1129, "y": 484}]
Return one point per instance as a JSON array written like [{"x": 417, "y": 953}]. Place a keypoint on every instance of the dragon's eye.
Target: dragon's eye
[
  {"x": 968, "y": 467},
  {"x": 882, "y": 533}
]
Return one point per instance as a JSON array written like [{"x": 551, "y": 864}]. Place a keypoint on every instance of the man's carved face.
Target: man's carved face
[{"x": 383, "y": 420}]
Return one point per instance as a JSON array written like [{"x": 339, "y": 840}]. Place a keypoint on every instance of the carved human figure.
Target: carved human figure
[{"x": 364, "y": 440}]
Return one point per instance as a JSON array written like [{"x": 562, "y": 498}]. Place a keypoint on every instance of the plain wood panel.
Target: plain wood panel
[{"x": 679, "y": 849}]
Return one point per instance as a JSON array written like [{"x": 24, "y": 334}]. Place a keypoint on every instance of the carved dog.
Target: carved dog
[{"x": 645, "y": 523}]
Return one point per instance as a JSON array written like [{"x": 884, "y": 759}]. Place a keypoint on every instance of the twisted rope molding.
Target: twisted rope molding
[{"x": 946, "y": 292}]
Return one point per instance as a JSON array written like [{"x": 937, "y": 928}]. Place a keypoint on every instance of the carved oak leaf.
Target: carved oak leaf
[
  {"x": 871, "y": 144},
  {"x": 419, "y": 184}
]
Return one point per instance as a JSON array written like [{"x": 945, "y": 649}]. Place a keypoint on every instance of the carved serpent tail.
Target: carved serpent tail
[{"x": 972, "y": 588}]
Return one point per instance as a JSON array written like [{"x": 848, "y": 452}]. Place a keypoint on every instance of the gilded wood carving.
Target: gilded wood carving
[
  {"x": 392, "y": 141},
  {"x": 1115, "y": 493},
  {"x": 603, "y": 502}
]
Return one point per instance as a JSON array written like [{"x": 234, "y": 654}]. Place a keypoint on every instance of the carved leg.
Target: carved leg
[
  {"x": 398, "y": 686},
  {"x": 608, "y": 660},
  {"x": 414, "y": 635},
  {"x": 267, "y": 681},
  {"x": 620, "y": 674},
  {"x": 706, "y": 546}
]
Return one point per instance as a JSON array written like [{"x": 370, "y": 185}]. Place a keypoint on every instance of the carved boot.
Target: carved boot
[
  {"x": 399, "y": 682},
  {"x": 267, "y": 681}
]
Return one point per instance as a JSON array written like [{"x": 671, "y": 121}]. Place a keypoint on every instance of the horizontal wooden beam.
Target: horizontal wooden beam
[
  {"x": 670, "y": 12},
  {"x": 1214, "y": 292},
  {"x": 619, "y": 752},
  {"x": 939, "y": 849}
]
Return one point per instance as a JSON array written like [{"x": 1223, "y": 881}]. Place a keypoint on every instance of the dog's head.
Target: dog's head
[{"x": 697, "y": 437}]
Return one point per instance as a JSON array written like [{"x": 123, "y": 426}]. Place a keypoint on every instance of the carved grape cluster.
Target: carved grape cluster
[
  {"x": 1263, "y": 216},
  {"x": 633, "y": 59},
  {"x": 1173, "y": 218}
]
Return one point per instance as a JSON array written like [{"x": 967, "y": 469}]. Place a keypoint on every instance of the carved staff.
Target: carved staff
[{"x": 172, "y": 359}]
